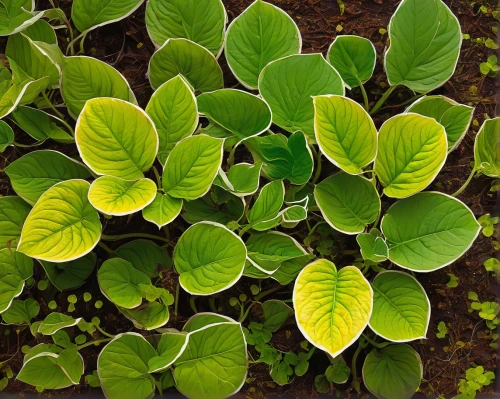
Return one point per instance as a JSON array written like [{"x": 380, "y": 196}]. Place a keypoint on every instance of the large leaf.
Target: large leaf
[
  {"x": 393, "y": 372},
  {"x": 116, "y": 138},
  {"x": 62, "y": 225},
  {"x": 487, "y": 148},
  {"x": 90, "y": 14},
  {"x": 194, "y": 62},
  {"x": 114, "y": 196},
  {"x": 214, "y": 364},
  {"x": 6, "y": 136},
  {"x": 348, "y": 203},
  {"x": 120, "y": 281},
  {"x": 202, "y": 21},
  {"x": 192, "y": 166},
  {"x": 123, "y": 369},
  {"x": 332, "y": 307},
  {"x": 239, "y": 112},
  {"x": 261, "y": 34},
  {"x": 425, "y": 39},
  {"x": 72, "y": 274},
  {"x": 345, "y": 133},
  {"x": 162, "y": 210},
  {"x": 453, "y": 116},
  {"x": 15, "y": 269},
  {"x": 401, "y": 309},
  {"x": 174, "y": 112},
  {"x": 145, "y": 256},
  {"x": 209, "y": 258},
  {"x": 428, "y": 231},
  {"x": 288, "y": 84},
  {"x": 354, "y": 58},
  {"x": 412, "y": 150},
  {"x": 13, "y": 213},
  {"x": 34, "y": 173},
  {"x": 84, "y": 78}
]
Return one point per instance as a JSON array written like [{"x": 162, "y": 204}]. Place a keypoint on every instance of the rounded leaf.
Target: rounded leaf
[
  {"x": 163, "y": 210},
  {"x": 428, "y": 231},
  {"x": 13, "y": 213},
  {"x": 116, "y": 138},
  {"x": 487, "y": 148},
  {"x": 145, "y": 256},
  {"x": 332, "y": 308},
  {"x": 209, "y": 258},
  {"x": 412, "y": 149}
]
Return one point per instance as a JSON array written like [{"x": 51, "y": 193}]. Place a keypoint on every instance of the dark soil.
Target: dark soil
[{"x": 126, "y": 46}]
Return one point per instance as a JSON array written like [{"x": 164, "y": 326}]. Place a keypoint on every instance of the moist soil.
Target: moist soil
[{"x": 126, "y": 46}]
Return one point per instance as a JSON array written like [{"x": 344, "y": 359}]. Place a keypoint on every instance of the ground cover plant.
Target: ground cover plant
[{"x": 289, "y": 198}]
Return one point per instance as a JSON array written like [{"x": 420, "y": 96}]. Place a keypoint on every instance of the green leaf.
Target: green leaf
[
  {"x": 288, "y": 270},
  {"x": 148, "y": 316},
  {"x": 36, "y": 172},
  {"x": 90, "y": 14},
  {"x": 13, "y": 213},
  {"x": 453, "y": 116},
  {"x": 348, "y": 203},
  {"x": 288, "y": 84},
  {"x": 55, "y": 322},
  {"x": 114, "y": 196},
  {"x": 275, "y": 314},
  {"x": 62, "y": 225},
  {"x": 17, "y": 15},
  {"x": 412, "y": 150},
  {"x": 354, "y": 58},
  {"x": 393, "y": 372},
  {"x": 203, "y": 22},
  {"x": 182, "y": 56},
  {"x": 84, "y": 78},
  {"x": 21, "y": 92},
  {"x": 123, "y": 369},
  {"x": 6, "y": 136},
  {"x": 119, "y": 282},
  {"x": 239, "y": 112},
  {"x": 401, "y": 309},
  {"x": 261, "y": 34},
  {"x": 345, "y": 133},
  {"x": 442, "y": 330},
  {"x": 192, "y": 166},
  {"x": 203, "y": 319},
  {"x": 116, "y": 138},
  {"x": 425, "y": 39},
  {"x": 72, "y": 274},
  {"x": 487, "y": 148},
  {"x": 209, "y": 258},
  {"x": 338, "y": 373},
  {"x": 214, "y": 353},
  {"x": 373, "y": 247},
  {"x": 170, "y": 347},
  {"x": 428, "y": 231},
  {"x": 145, "y": 256},
  {"x": 283, "y": 158},
  {"x": 332, "y": 307},
  {"x": 241, "y": 179},
  {"x": 268, "y": 203},
  {"x": 21, "y": 312},
  {"x": 15, "y": 269},
  {"x": 163, "y": 210},
  {"x": 41, "y": 31},
  {"x": 174, "y": 112}
]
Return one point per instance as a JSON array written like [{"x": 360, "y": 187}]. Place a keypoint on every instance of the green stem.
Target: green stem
[
  {"x": 106, "y": 237},
  {"x": 211, "y": 302},
  {"x": 464, "y": 186},
  {"x": 318, "y": 167},
  {"x": 16, "y": 144},
  {"x": 361, "y": 345},
  {"x": 104, "y": 332},
  {"x": 376, "y": 344},
  {"x": 382, "y": 99},
  {"x": 267, "y": 292},
  {"x": 230, "y": 158},
  {"x": 97, "y": 342},
  {"x": 176, "y": 305},
  {"x": 55, "y": 109},
  {"x": 245, "y": 229},
  {"x": 193, "y": 304},
  {"x": 365, "y": 96},
  {"x": 71, "y": 44},
  {"x": 105, "y": 247},
  {"x": 247, "y": 312},
  {"x": 157, "y": 175}
]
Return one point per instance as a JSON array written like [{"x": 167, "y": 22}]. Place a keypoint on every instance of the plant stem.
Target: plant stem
[
  {"x": 361, "y": 345},
  {"x": 16, "y": 144},
  {"x": 157, "y": 175},
  {"x": 176, "y": 305},
  {"x": 245, "y": 229},
  {"x": 96, "y": 342},
  {"x": 245, "y": 315},
  {"x": 71, "y": 44},
  {"x": 318, "y": 167},
  {"x": 54, "y": 108},
  {"x": 376, "y": 344},
  {"x": 267, "y": 292},
  {"x": 105, "y": 247},
  {"x": 211, "y": 302},
  {"x": 193, "y": 304},
  {"x": 104, "y": 332},
  {"x": 382, "y": 99},
  {"x": 464, "y": 186},
  {"x": 132, "y": 235},
  {"x": 365, "y": 96}
]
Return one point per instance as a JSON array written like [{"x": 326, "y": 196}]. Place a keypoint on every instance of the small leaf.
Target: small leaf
[
  {"x": 170, "y": 347},
  {"x": 268, "y": 203},
  {"x": 6, "y": 136},
  {"x": 55, "y": 322},
  {"x": 163, "y": 210}
]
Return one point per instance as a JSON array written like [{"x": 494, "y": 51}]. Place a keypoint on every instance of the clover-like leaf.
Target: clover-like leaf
[
  {"x": 209, "y": 258},
  {"x": 192, "y": 167},
  {"x": 13, "y": 213},
  {"x": 261, "y": 34},
  {"x": 487, "y": 148},
  {"x": 345, "y": 133},
  {"x": 348, "y": 203},
  {"x": 162, "y": 210},
  {"x": 412, "y": 150},
  {"x": 332, "y": 307},
  {"x": 203, "y": 22},
  {"x": 6, "y": 136},
  {"x": 34, "y": 173},
  {"x": 428, "y": 231},
  {"x": 288, "y": 84},
  {"x": 401, "y": 309},
  {"x": 354, "y": 58},
  {"x": 393, "y": 372},
  {"x": 62, "y": 225},
  {"x": 15, "y": 269},
  {"x": 425, "y": 39},
  {"x": 116, "y": 138},
  {"x": 72, "y": 274},
  {"x": 182, "y": 56}
]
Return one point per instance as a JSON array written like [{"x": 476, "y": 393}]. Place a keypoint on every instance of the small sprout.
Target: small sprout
[
  {"x": 242, "y": 297},
  {"x": 382, "y": 31},
  {"x": 488, "y": 224},
  {"x": 490, "y": 67},
  {"x": 254, "y": 289},
  {"x": 233, "y": 301},
  {"x": 25, "y": 349},
  {"x": 30, "y": 282},
  {"x": 8, "y": 372},
  {"x": 339, "y": 28},
  {"x": 453, "y": 283},
  {"x": 492, "y": 265},
  {"x": 42, "y": 285},
  {"x": 472, "y": 296},
  {"x": 39, "y": 388},
  {"x": 71, "y": 307},
  {"x": 491, "y": 44},
  {"x": 442, "y": 330},
  {"x": 304, "y": 344},
  {"x": 96, "y": 321},
  {"x": 72, "y": 299},
  {"x": 98, "y": 304},
  {"x": 87, "y": 296},
  {"x": 52, "y": 305},
  {"x": 80, "y": 339},
  {"x": 465, "y": 36}
]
